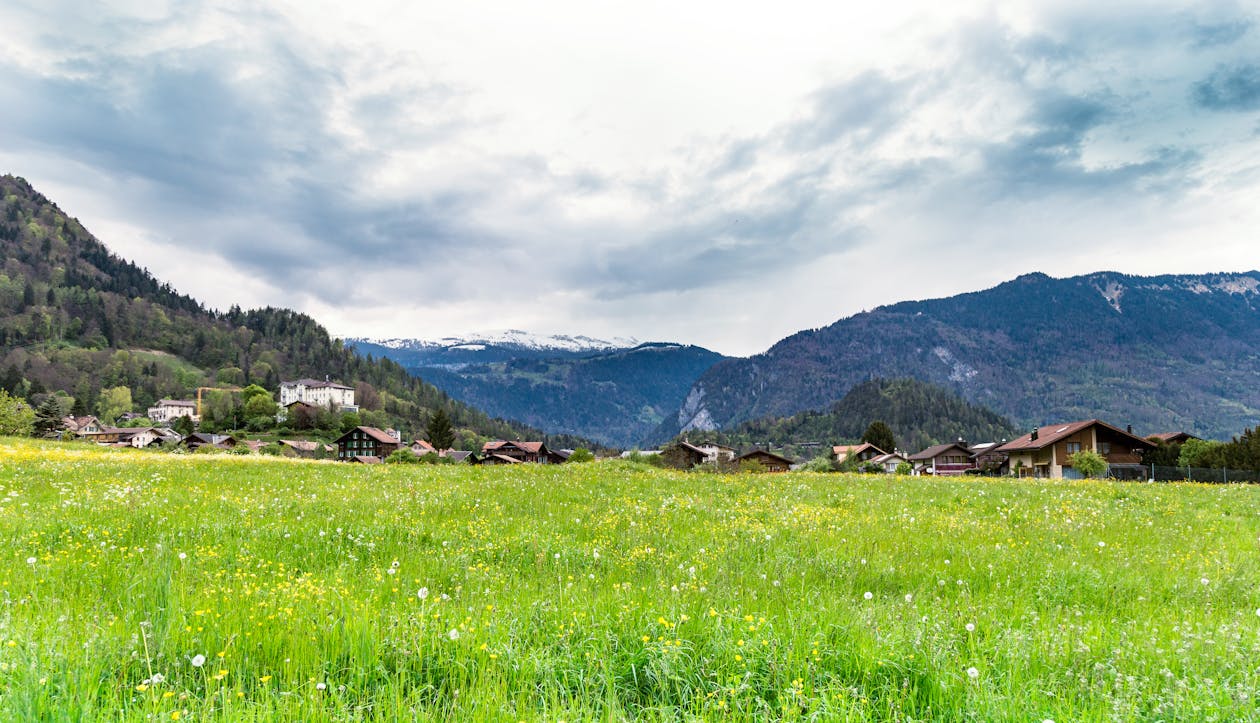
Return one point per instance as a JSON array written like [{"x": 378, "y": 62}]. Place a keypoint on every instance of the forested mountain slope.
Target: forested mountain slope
[{"x": 1160, "y": 353}]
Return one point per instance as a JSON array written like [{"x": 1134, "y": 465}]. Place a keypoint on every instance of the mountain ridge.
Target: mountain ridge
[{"x": 1168, "y": 351}]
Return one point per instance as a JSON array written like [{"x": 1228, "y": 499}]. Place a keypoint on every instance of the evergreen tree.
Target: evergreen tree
[
  {"x": 439, "y": 430},
  {"x": 880, "y": 435},
  {"x": 48, "y": 415}
]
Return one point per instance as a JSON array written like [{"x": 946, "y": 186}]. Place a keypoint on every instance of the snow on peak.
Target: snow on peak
[{"x": 516, "y": 338}]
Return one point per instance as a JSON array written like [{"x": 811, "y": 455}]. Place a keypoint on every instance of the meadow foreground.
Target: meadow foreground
[{"x": 160, "y": 587}]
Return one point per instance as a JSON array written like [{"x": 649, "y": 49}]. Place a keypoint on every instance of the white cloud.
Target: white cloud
[{"x": 712, "y": 173}]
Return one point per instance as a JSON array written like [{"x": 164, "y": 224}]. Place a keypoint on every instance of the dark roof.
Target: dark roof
[
  {"x": 937, "y": 450},
  {"x": 502, "y": 458},
  {"x": 764, "y": 453},
  {"x": 365, "y": 459},
  {"x": 1171, "y": 436},
  {"x": 1050, "y": 433},
  {"x": 314, "y": 383},
  {"x": 372, "y": 432},
  {"x": 531, "y": 447}
]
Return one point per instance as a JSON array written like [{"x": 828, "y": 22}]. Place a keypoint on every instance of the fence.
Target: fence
[{"x": 1219, "y": 475}]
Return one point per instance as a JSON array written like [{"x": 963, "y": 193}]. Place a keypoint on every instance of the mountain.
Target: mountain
[
  {"x": 920, "y": 415},
  {"x": 457, "y": 352},
  {"x": 1176, "y": 352},
  {"x": 615, "y": 396},
  {"x": 75, "y": 317}
]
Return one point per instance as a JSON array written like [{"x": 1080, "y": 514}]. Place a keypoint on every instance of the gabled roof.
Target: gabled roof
[
  {"x": 301, "y": 445},
  {"x": 422, "y": 444},
  {"x": 854, "y": 449},
  {"x": 1050, "y": 433},
  {"x": 763, "y": 453},
  {"x": 937, "y": 450},
  {"x": 1171, "y": 436},
  {"x": 502, "y": 458},
  {"x": 373, "y": 432},
  {"x": 531, "y": 447},
  {"x": 883, "y": 458},
  {"x": 175, "y": 403}
]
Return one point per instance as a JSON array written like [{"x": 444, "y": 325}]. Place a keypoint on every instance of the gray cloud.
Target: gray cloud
[{"x": 1235, "y": 88}]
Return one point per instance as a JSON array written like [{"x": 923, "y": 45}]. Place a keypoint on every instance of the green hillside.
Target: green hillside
[
  {"x": 76, "y": 318},
  {"x": 919, "y": 414}
]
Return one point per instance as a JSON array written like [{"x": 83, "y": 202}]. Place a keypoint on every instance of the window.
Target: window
[
  {"x": 1104, "y": 447},
  {"x": 1073, "y": 447}
]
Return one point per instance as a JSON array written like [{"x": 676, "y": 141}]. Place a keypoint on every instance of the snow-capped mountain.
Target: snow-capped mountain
[{"x": 510, "y": 338}]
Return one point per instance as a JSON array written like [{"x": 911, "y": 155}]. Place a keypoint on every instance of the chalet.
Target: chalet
[
  {"x": 460, "y": 456},
  {"x": 682, "y": 455},
  {"x": 986, "y": 457},
  {"x": 715, "y": 453},
  {"x": 494, "y": 459},
  {"x": 861, "y": 452},
  {"x": 138, "y": 437},
  {"x": 535, "y": 452},
  {"x": 366, "y": 441},
  {"x": 198, "y": 440},
  {"x": 326, "y": 394},
  {"x": 421, "y": 448},
  {"x": 168, "y": 410},
  {"x": 1047, "y": 450},
  {"x": 890, "y": 462},
  {"x": 1171, "y": 437},
  {"x": 769, "y": 461},
  {"x": 81, "y": 425},
  {"x": 943, "y": 459}
]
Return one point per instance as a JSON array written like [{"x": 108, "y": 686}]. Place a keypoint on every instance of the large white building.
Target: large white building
[
  {"x": 323, "y": 394},
  {"x": 168, "y": 410}
]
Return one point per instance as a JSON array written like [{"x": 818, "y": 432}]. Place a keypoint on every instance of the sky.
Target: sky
[{"x": 716, "y": 173}]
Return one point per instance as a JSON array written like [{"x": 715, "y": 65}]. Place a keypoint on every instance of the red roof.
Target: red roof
[
  {"x": 1050, "y": 433},
  {"x": 854, "y": 449},
  {"x": 531, "y": 447},
  {"x": 372, "y": 432}
]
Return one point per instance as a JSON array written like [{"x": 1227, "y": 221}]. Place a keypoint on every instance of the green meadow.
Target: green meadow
[{"x": 155, "y": 587}]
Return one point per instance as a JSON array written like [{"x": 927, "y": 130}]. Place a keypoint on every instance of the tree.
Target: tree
[
  {"x": 581, "y": 454},
  {"x": 402, "y": 455},
  {"x": 904, "y": 468},
  {"x": 16, "y": 417},
  {"x": 1089, "y": 463},
  {"x": 367, "y": 396},
  {"x": 183, "y": 425},
  {"x": 349, "y": 420},
  {"x": 258, "y": 403},
  {"x": 1199, "y": 453},
  {"x": 880, "y": 435},
  {"x": 114, "y": 402},
  {"x": 438, "y": 431},
  {"x": 48, "y": 415}
]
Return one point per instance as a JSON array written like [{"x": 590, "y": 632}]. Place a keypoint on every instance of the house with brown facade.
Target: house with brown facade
[
  {"x": 535, "y": 452},
  {"x": 366, "y": 442},
  {"x": 1047, "y": 451},
  {"x": 943, "y": 460},
  {"x": 769, "y": 461}
]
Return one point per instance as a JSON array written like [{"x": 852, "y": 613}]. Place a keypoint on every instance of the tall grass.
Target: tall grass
[{"x": 324, "y": 591}]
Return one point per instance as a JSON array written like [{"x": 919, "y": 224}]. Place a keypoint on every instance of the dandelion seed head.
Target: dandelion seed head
[
  {"x": 971, "y": 627},
  {"x": 868, "y": 595},
  {"x": 973, "y": 673},
  {"x": 422, "y": 593}
]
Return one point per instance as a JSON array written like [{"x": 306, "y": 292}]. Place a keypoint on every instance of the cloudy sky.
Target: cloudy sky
[{"x": 712, "y": 172}]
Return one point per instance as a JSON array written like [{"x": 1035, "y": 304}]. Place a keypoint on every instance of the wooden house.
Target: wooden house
[
  {"x": 769, "y": 461},
  {"x": 1047, "y": 451},
  {"x": 682, "y": 455},
  {"x": 535, "y": 452},
  {"x": 943, "y": 459},
  {"x": 366, "y": 442}
]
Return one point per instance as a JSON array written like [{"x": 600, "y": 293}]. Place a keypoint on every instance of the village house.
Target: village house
[
  {"x": 81, "y": 425},
  {"x": 1047, "y": 450},
  {"x": 1171, "y": 437},
  {"x": 139, "y": 437},
  {"x": 943, "y": 459},
  {"x": 366, "y": 442},
  {"x": 197, "y": 440},
  {"x": 863, "y": 452},
  {"x": 769, "y": 461},
  {"x": 307, "y": 449},
  {"x": 682, "y": 455},
  {"x": 715, "y": 453},
  {"x": 168, "y": 410},
  {"x": 326, "y": 394},
  {"x": 535, "y": 452},
  {"x": 988, "y": 457},
  {"x": 890, "y": 462}
]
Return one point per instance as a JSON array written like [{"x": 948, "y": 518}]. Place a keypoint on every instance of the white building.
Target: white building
[
  {"x": 323, "y": 394},
  {"x": 168, "y": 410}
]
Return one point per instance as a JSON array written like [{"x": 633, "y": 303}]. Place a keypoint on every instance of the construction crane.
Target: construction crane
[{"x": 212, "y": 389}]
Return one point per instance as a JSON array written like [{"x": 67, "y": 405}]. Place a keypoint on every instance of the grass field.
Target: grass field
[{"x": 163, "y": 587}]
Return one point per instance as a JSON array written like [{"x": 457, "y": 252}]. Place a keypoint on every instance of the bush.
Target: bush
[
  {"x": 402, "y": 456},
  {"x": 581, "y": 454},
  {"x": 905, "y": 468},
  {"x": 240, "y": 449},
  {"x": 275, "y": 449},
  {"x": 821, "y": 463},
  {"x": 1089, "y": 463}
]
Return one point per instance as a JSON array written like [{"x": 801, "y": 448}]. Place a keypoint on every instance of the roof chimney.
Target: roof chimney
[
  {"x": 1033, "y": 437},
  {"x": 1129, "y": 429}
]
